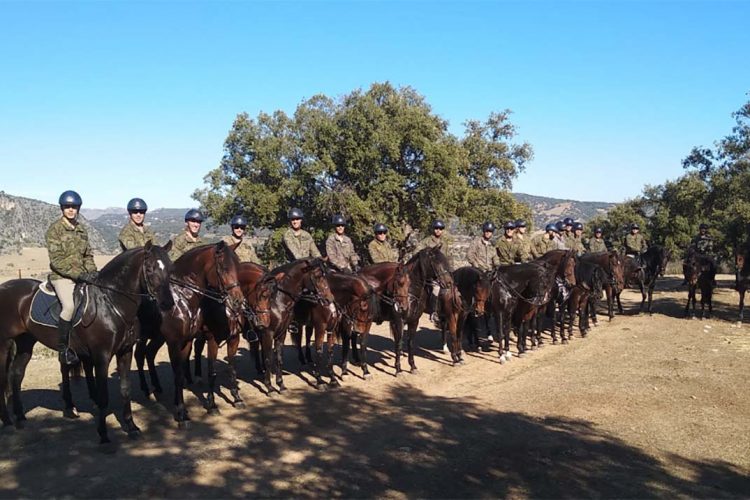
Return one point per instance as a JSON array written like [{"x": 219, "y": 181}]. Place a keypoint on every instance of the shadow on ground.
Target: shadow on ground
[{"x": 346, "y": 444}]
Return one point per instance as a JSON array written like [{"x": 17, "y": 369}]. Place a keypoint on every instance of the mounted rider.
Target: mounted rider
[
  {"x": 244, "y": 250},
  {"x": 380, "y": 247},
  {"x": 544, "y": 242},
  {"x": 567, "y": 232},
  {"x": 298, "y": 243},
  {"x": 71, "y": 261},
  {"x": 436, "y": 239},
  {"x": 634, "y": 243},
  {"x": 136, "y": 233},
  {"x": 522, "y": 240},
  {"x": 339, "y": 247},
  {"x": 481, "y": 253},
  {"x": 559, "y": 238},
  {"x": 597, "y": 244},
  {"x": 508, "y": 250},
  {"x": 189, "y": 238},
  {"x": 576, "y": 242}
]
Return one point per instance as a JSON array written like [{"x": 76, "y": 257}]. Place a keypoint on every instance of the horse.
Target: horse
[
  {"x": 699, "y": 271},
  {"x": 475, "y": 288},
  {"x": 109, "y": 327},
  {"x": 390, "y": 283},
  {"x": 643, "y": 269},
  {"x": 742, "y": 276},
  {"x": 258, "y": 316},
  {"x": 204, "y": 274},
  {"x": 612, "y": 264},
  {"x": 564, "y": 262},
  {"x": 299, "y": 280},
  {"x": 585, "y": 295},
  {"x": 426, "y": 268}
]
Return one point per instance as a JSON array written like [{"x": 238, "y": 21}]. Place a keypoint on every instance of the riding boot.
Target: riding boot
[
  {"x": 250, "y": 334},
  {"x": 66, "y": 354},
  {"x": 434, "y": 317}
]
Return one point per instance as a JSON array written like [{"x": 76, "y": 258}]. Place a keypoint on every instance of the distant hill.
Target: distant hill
[
  {"x": 24, "y": 221},
  {"x": 546, "y": 210}
]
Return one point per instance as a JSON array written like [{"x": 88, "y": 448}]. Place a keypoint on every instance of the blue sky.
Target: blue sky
[{"x": 123, "y": 99}]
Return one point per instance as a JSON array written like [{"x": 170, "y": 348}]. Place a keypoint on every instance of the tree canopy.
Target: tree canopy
[{"x": 380, "y": 155}]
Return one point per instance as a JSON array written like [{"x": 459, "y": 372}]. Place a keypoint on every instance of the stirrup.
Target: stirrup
[
  {"x": 68, "y": 356},
  {"x": 251, "y": 335},
  {"x": 435, "y": 319}
]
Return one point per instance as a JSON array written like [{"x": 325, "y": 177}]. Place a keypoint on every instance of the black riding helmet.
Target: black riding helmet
[
  {"x": 438, "y": 224},
  {"x": 578, "y": 225},
  {"x": 238, "y": 220},
  {"x": 703, "y": 226},
  {"x": 380, "y": 228},
  {"x": 634, "y": 225},
  {"x": 194, "y": 215},
  {"x": 598, "y": 230},
  {"x": 295, "y": 213},
  {"x": 520, "y": 223},
  {"x": 488, "y": 226},
  {"x": 509, "y": 225},
  {"x": 567, "y": 221},
  {"x": 338, "y": 220},
  {"x": 136, "y": 205},
  {"x": 551, "y": 227},
  {"x": 70, "y": 198}
]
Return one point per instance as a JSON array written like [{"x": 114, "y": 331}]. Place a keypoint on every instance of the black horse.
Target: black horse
[
  {"x": 643, "y": 271},
  {"x": 584, "y": 297},
  {"x": 742, "y": 263},
  {"x": 476, "y": 291},
  {"x": 612, "y": 264},
  {"x": 109, "y": 327},
  {"x": 699, "y": 272}
]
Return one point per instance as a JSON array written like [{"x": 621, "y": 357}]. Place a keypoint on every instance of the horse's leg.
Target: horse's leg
[
  {"x": 317, "y": 360},
  {"x": 88, "y": 368},
  {"x": 186, "y": 368},
  {"x": 123, "y": 369},
  {"x": 331, "y": 343},
  {"x": 151, "y": 350},
  {"x": 69, "y": 410},
  {"x": 411, "y": 330},
  {"x": 200, "y": 342},
  {"x": 178, "y": 354},
  {"x": 101, "y": 365},
  {"x": 397, "y": 330},
  {"x": 651, "y": 295},
  {"x": 309, "y": 330},
  {"x": 643, "y": 296},
  {"x": 211, "y": 356},
  {"x": 278, "y": 348},
  {"x": 233, "y": 345},
  {"x": 6, "y": 347},
  {"x": 24, "y": 349},
  {"x": 742, "y": 303},
  {"x": 363, "y": 350},
  {"x": 346, "y": 341},
  {"x": 355, "y": 348},
  {"x": 255, "y": 349},
  {"x": 619, "y": 302},
  {"x": 140, "y": 358},
  {"x": 610, "y": 302},
  {"x": 267, "y": 349}
]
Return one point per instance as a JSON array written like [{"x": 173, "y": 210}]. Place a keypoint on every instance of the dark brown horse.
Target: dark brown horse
[
  {"x": 643, "y": 271},
  {"x": 202, "y": 276},
  {"x": 612, "y": 264},
  {"x": 109, "y": 327},
  {"x": 699, "y": 272},
  {"x": 427, "y": 268},
  {"x": 390, "y": 282},
  {"x": 585, "y": 295},
  {"x": 742, "y": 264},
  {"x": 475, "y": 288}
]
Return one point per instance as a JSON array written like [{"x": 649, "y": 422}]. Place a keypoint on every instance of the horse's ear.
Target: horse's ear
[
  {"x": 279, "y": 276},
  {"x": 220, "y": 245},
  {"x": 168, "y": 246},
  {"x": 147, "y": 246}
]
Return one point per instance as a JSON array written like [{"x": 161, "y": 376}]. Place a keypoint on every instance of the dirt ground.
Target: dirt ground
[{"x": 645, "y": 406}]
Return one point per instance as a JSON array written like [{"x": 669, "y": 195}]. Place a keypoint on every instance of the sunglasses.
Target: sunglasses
[
  {"x": 239, "y": 227},
  {"x": 381, "y": 232},
  {"x": 138, "y": 212},
  {"x": 340, "y": 225},
  {"x": 66, "y": 207}
]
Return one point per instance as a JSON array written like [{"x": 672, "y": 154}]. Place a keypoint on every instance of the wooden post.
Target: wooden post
[{"x": 19, "y": 274}]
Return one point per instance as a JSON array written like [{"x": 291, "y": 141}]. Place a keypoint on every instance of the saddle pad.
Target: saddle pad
[{"x": 45, "y": 308}]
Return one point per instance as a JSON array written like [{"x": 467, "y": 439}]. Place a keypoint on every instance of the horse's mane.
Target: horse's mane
[
  {"x": 285, "y": 268},
  {"x": 118, "y": 266}
]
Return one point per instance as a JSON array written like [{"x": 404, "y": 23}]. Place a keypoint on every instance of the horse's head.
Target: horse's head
[
  {"x": 617, "y": 269},
  {"x": 436, "y": 267},
  {"x": 155, "y": 276},
  {"x": 482, "y": 292},
  {"x": 691, "y": 268},
  {"x": 364, "y": 305},
  {"x": 260, "y": 298},
  {"x": 398, "y": 289},
  {"x": 567, "y": 268},
  {"x": 222, "y": 274},
  {"x": 315, "y": 281},
  {"x": 664, "y": 256}
]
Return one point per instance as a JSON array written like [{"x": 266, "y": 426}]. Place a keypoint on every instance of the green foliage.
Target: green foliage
[{"x": 379, "y": 155}]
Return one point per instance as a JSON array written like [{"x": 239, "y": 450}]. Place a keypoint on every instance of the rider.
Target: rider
[
  {"x": 559, "y": 238},
  {"x": 576, "y": 242},
  {"x": 481, "y": 253},
  {"x": 380, "y": 248},
  {"x": 432, "y": 241},
  {"x": 136, "y": 234},
  {"x": 339, "y": 247},
  {"x": 71, "y": 260},
  {"x": 634, "y": 243},
  {"x": 299, "y": 244},
  {"x": 596, "y": 244},
  {"x": 567, "y": 232},
  {"x": 507, "y": 248},
  {"x": 522, "y": 241},
  {"x": 244, "y": 250},
  {"x": 189, "y": 238},
  {"x": 544, "y": 242}
]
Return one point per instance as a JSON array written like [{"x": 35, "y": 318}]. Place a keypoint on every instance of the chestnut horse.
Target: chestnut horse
[{"x": 109, "y": 327}]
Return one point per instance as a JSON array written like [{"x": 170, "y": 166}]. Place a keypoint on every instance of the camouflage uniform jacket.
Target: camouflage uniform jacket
[
  {"x": 634, "y": 244},
  {"x": 577, "y": 245},
  {"x": 597, "y": 245},
  {"x": 245, "y": 251},
  {"x": 703, "y": 244},
  {"x": 541, "y": 245},
  {"x": 182, "y": 243},
  {"x": 568, "y": 238},
  {"x": 69, "y": 250},
  {"x": 299, "y": 245},
  {"x": 341, "y": 253},
  {"x": 507, "y": 251},
  {"x": 432, "y": 242},
  {"x": 381, "y": 251},
  {"x": 560, "y": 243},
  {"x": 482, "y": 254},
  {"x": 133, "y": 237},
  {"x": 525, "y": 245}
]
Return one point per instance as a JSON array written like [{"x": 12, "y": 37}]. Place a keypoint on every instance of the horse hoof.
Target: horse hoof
[
  {"x": 414, "y": 371},
  {"x": 71, "y": 413},
  {"x": 157, "y": 391},
  {"x": 367, "y": 376},
  {"x": 240, "y": 405},
  {"x": 282, "y": 389},
  {"x": 183, "y": 425},
  {"x": 273, "y": 393},
  {"x": 564, "y": 341},
  {"x": 107, "y": 447},
  {"x": 554, "y": 341},
  {"x": 321, "y": 386},
  {"x": 134, "y": 434},
  {"x": 400, "y": 374},
  {"x": 508, "y": 356},
  {"x": 502, "y": 360},
  {"x": 213, "y": 411},
  {"x": 521, "y": 354}
]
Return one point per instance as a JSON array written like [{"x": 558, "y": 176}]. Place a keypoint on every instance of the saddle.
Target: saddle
[{"x": 45, "y": 307}]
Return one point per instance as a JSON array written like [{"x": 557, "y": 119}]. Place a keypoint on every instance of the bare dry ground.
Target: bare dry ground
[{"x": 645, "y": 406}]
